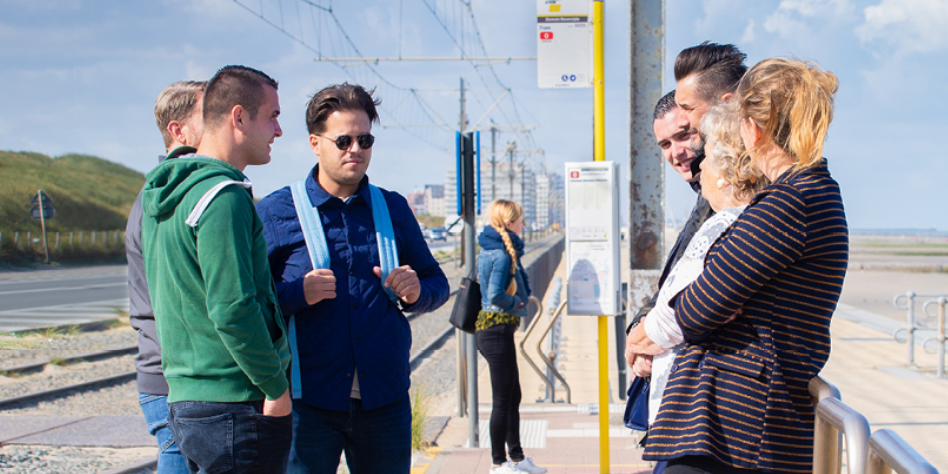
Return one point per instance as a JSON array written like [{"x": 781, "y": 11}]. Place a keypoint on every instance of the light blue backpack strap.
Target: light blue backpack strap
[
  {"x": 318, "y": 255},
  {"x": 385, "y": 235}
]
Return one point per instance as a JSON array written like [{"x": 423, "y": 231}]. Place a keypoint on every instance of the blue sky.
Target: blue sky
[{"x": 83, "y": 76}]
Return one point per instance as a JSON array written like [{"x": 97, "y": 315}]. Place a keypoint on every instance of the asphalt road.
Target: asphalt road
[
  {"x": 44, "y": 298},
  {"x": 60, "y": 297},
  {"x": 60, "y": 291}
]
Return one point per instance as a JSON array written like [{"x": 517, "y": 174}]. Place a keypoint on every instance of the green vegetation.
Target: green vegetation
[
  {"x": 89, "y": 194},
  {"x": 420, "y": 404}
]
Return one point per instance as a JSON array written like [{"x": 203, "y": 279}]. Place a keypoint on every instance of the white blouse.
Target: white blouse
[{"x": 660, "y": 324}]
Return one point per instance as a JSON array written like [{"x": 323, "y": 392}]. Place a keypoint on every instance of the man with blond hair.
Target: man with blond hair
[{"x": 178, "y": 115}]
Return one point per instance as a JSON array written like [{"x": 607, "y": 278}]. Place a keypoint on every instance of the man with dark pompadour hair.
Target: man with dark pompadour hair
[
  {"x": 352, "y": 338},
  {"x": 225, "y": 350},
  {"x": 707, "y": 75}
]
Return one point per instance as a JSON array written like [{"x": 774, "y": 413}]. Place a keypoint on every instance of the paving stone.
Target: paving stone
[
  {"x": 14, "y": 427},
  {"x": 105, "y": 431}
]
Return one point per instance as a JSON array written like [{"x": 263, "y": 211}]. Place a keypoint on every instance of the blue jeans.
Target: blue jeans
[
  {"x": 375, "y": 441},
  {"x": 155, "y": 408},
  {"x": 231, "y": 437}
]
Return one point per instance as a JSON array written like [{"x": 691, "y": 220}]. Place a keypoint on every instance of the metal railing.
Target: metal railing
[
  {"x": 880, "y": 453},
  {"x": 826, "y": 449},
  {"x": 906, "y": 301},
  {"x": 940, "y": 335},
  {"x": 550, "y": 364},
  {"x": 553, "y": 342},
  {"x": 835, "y": 418},
  {"x": 530, "y": 327},
  {"x": 889, "y": 452}
]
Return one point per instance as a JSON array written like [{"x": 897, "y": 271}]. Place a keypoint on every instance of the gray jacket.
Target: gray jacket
[{"x": 151, "y": 379}]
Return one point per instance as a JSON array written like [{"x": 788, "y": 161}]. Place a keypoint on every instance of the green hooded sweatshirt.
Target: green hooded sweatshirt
[{"x": 219, "y": 325}]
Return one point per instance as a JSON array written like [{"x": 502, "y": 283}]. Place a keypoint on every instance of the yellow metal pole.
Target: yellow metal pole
[{"x": 599, "y": 154}]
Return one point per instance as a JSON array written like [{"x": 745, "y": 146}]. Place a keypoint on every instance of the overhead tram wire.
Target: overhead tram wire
[
  {"x": 347, "y": 39},
  {"x": 465, "y": 43},
  {"x": 464, "y": 52}
]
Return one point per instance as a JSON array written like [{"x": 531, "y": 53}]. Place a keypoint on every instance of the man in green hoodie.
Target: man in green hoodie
[{"x": 225, "y": 350}]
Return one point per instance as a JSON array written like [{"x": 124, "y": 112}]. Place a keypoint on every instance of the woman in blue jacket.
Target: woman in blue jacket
[{"x": 504, "y": 293}]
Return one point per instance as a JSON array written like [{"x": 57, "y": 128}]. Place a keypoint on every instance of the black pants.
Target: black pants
[
  {"x": 497, "y": 345},
  {"x": 702, "y": 465}
]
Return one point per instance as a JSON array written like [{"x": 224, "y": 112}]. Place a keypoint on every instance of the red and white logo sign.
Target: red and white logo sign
[
  {"x": 546, "y": 35},
  {"x": 574, "y": 174}
]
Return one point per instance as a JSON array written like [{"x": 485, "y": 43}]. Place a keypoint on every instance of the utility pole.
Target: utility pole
[
  {"x": 467, "y": 347},
  {"x": 462, "y": 122},
  {"x": 510, "y": 150},
  {"x": 493, "y": 162}
]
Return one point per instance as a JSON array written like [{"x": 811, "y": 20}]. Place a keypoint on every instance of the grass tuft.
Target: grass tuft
[{"x": 420, "y": 405}]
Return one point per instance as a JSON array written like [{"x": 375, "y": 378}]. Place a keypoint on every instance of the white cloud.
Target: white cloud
[
  {"x": 793, "y": 18},
  {"x": 814, "y": 8},
  {"x": 908, "y": 25},
  {"x": 748, "y": 32}
]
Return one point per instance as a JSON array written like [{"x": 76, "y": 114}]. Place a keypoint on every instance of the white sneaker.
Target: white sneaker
[
  {"x": 527, "y": 466},
  {"x": 506, "y": 468}
]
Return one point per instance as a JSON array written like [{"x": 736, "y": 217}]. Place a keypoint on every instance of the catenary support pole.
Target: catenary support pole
[
  {"x": 599, "y": 154},
  {"x": 461, "y": 337},
  {"x": 469, "y": 214}
]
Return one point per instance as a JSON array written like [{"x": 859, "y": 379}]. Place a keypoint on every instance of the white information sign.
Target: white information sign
[
  {"x": 564, "y": 43},
  {"x": 592, "y": 238}
]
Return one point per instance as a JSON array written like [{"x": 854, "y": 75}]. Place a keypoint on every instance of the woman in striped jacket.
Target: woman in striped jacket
[{"x": 737, "y": 400}]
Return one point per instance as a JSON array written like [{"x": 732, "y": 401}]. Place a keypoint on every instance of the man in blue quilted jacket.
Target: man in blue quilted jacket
[{"x": 351, "y": 340}]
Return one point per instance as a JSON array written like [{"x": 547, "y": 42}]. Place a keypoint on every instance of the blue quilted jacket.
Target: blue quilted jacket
[{"x": 360, "y": 329}]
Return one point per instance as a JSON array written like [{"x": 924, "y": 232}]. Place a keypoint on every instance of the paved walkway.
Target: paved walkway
[{"x": 866, "y": 364}]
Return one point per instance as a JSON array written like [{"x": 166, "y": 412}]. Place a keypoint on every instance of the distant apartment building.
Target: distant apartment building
[
  {"x": 416, "y": 201},
  {"x": 541, "y": 195},
  {"x": 549, "y": 200},
  {"x": 434, "y": 200}
]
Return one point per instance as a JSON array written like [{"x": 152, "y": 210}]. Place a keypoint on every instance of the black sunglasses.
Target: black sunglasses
[{"x": 343, "y": 142}]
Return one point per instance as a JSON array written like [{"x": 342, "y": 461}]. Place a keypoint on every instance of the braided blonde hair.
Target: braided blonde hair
[{"x": 503, "y": 212}]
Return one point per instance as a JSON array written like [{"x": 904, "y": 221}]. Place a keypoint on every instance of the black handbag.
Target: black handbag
[
  {"x": 467, "y": 303},
  {"x": 636, "y": 405}
]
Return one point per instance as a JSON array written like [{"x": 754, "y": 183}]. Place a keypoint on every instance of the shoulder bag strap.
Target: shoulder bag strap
[
  {"x": 385, "y": 235},
  {"x": 319, "y": 256}
]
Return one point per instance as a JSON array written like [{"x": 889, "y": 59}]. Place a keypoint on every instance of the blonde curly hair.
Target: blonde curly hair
[{"x": 720, "y": 129}]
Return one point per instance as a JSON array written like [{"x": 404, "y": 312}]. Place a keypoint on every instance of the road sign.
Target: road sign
[
  {"x": 564, "y": 44},
  {"x": 46, "y": 199},
  {"x": 592, "y": 238},
  {"x": 48, "y": 211}
]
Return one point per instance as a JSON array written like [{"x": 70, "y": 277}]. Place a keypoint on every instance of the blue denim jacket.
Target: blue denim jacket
[
  {"x": 360, "y": 328},
  {"x": 493, "y": 273}
]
